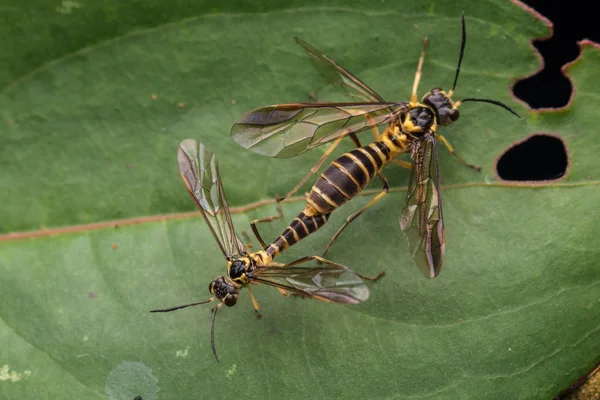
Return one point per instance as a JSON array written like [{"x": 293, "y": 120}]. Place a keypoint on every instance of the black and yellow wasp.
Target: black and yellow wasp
[
  {"x": 287, "y": 130},
  {"x": 328, "y": 282}
]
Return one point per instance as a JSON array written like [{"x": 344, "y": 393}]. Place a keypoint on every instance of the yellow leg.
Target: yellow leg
[
  {"x": 352, "y": 217},
  {"x": 374, "y": 129},
  {"x": 403, "y": 164},
  {"x": 314, "y": 169},
  {"x": 277, "y": 264},
  {"x": 451, "y": 150},
  {"x": 254, "y": 303},
  {"x": 265, "y": 219},
  {"x": 413, "y": 96},
  {"x": 376, "y": 133}
]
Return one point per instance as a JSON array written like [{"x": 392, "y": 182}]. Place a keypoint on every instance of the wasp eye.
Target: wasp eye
[
  {"x": 230, "y": 300},
  {"x": 454, "y": 114}
]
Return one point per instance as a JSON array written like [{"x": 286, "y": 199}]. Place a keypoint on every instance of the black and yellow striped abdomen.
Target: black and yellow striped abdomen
[
  {"x": 345, "y": 177},
  {"x": 298, "y": 229}
]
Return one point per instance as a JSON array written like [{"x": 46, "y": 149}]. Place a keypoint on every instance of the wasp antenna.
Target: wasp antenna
[
  {"x": 212, "y": 332},
  {"x": 413, "y": 97},
  {"x": 183, "y": 306},
  {"x": 496, "y": 102},
  {"x": 462, "y": 52}
]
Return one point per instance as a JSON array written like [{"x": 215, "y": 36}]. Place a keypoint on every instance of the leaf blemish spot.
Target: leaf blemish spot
[
  {"x": 231, "y": 371},
  {"x": 67, "y": 7},
  {"x": 182, "y": 353},
  {"x": 6, "y": 374}
]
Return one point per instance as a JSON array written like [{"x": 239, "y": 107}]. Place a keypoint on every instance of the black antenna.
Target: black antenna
[
  {"x": 212, "y": 332},
  {"x": 183, "y": 306},
  {"x": 496, "y": 102},
  {"x": 462, "y": 51}
]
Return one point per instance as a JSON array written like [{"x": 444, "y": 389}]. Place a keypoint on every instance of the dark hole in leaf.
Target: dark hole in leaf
[
  {"x": 538, "y": 158},
  {"x": 549, "y": 87}
]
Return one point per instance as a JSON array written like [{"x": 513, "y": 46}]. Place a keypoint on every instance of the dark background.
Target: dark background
[{"x": 544, "y": 157}]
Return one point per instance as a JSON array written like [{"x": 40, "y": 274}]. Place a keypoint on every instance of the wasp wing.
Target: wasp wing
[
  {"x": 339, "y": 76},
  {"x": 200, "y": 172},
  {"x": 286, "y": 130},
  {"x": 322, "y": 283},
  {"x": 421, "y": 219}
]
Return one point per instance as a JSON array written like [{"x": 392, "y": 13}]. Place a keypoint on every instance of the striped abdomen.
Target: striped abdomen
[
  {"x": 299, "y": 228},
  {"x": 345, "y": 177}
]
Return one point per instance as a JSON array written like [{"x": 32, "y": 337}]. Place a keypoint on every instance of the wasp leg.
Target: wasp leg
[
  {"x": 248, "y": 239},
  {"x": 277, "y": 264},
  {"x": 355, "y": 140},
  {"x": 376, "y": 133},
  {"x": 333, "y": 264},
  {"x": 352, "y": 217},
  {"x": 254, "y": 303},
  {"x": 413, "y": 96},
  {"x": 265, "y": 219},
  {"x": 403, "y": 164},
  {"x": 451, "y": 150}
]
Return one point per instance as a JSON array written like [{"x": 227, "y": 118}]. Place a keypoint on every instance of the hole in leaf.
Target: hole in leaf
[
  {"x": 549, "y": 87},
  {"x": 539, "y": 157}
]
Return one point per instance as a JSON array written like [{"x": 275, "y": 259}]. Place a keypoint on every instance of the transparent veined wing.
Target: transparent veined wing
[
  {"x": 200, "y": 172},
  {"x": 286, "y": 130},
  {"x": 324, "y": 283},
  {"x": 421, "y": 219},
  {"x": 353, "y": 87}
]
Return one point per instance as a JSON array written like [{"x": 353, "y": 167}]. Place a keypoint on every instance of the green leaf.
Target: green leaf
[{"x": 514, "y": 313}]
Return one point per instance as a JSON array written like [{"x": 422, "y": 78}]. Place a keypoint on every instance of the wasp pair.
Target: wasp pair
[{"x": 287, "y": 130}]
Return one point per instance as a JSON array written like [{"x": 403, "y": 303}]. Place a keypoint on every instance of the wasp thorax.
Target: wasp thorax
[
  {"x": 442, "y": 105},
  {"x": 418, "y": 120},
  {"x": 225, "y": 291},
  {"x": 237, "y": 269}
]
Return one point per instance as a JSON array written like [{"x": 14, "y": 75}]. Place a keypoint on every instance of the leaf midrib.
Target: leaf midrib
[{"x": 12, "y": 236}]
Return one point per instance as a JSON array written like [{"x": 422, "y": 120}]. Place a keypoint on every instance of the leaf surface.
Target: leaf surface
[{"x": 514, "y": 314}]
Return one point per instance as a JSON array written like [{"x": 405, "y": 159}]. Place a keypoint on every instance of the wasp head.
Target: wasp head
[
  {"x": 446, "y": 111},
  {"x": 225, "y": 290}
]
